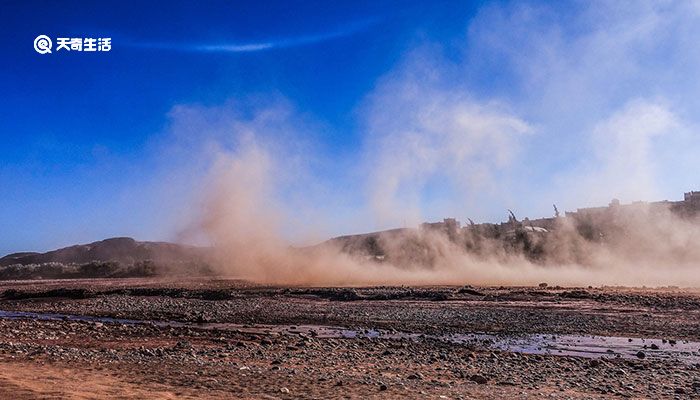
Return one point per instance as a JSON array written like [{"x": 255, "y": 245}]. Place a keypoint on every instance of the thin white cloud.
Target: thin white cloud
[{"x": 279, "y": 43}]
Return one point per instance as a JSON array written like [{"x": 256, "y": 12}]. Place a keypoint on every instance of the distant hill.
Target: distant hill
[
  {"x": 368, "y": 244},
  {"x": 122, "y": 249}
]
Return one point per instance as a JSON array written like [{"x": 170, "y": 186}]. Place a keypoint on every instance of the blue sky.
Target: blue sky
[{"x": 387, "y": 113}]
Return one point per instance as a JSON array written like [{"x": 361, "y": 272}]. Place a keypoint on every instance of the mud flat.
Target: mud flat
[{"x": 204, "y": 338}]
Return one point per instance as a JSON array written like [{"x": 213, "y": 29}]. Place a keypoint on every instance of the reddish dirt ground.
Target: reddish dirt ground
[{"x": 232, "y": 339}]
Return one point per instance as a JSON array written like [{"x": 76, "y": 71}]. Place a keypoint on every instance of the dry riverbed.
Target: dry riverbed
[{"x": 135, "y": 338}]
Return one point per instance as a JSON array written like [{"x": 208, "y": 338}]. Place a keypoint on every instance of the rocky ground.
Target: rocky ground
[{"x": 230, "y": 339}]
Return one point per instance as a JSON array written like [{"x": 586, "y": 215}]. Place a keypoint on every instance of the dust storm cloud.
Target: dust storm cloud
[
  {"x": 432, "y": 146},
  {"x": 244, "y": 215}
]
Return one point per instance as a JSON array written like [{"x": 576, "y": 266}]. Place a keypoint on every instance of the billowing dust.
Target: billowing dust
[{"x": 243, "y": 215}]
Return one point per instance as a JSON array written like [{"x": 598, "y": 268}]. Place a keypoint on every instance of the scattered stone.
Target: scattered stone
[
  {"x": 480, "y": 379},
  {"x": 427, "y": 338},
  {"x": 469, "y": 290}
]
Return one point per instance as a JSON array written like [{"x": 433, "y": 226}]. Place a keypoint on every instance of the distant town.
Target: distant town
[{"x": 583, "y": 217}]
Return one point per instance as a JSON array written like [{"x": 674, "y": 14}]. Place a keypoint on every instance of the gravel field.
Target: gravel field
[{"x": 230, "y": 339}]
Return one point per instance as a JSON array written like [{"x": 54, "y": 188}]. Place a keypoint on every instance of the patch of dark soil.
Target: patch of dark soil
[
  {"x": 390, "y": 293},
  {"x": 204, "y": 294},
  {"x": 79, "y": 293},
  {"x": 470, "y": 290},
  {"x": 83, "y": 293},
  {"x": 335, "y": 294},
  {"x": 577, "y": 294}
]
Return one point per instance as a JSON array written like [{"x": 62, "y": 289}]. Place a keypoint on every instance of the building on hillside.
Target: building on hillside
[{"x": 450, "y": 226}]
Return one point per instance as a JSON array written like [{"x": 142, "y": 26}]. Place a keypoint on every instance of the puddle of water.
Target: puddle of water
[
  {"x": 563, "y": 345},
  {"x": 600, "y": 346},
  {"x": 63, "y": 317}
]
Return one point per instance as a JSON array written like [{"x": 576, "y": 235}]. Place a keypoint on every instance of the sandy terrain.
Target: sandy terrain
[{"x": 132, "y": 338}]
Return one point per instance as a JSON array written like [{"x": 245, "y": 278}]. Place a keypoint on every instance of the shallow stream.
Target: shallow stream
[{"x": 565, "y": 345}]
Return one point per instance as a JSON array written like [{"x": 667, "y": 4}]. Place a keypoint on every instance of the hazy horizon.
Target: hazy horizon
[{"x": 367, "y": 116}]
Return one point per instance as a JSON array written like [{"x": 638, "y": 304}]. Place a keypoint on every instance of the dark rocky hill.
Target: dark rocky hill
[
  {"x": 369, "y": 244},
  {"x": 122, "y": 250}
]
